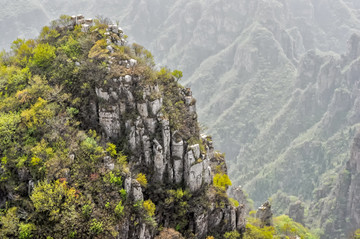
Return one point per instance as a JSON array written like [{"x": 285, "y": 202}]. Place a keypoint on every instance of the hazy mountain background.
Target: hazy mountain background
[{"x": 276, "y": 83}]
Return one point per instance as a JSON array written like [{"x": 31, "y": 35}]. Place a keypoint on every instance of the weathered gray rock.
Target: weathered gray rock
[
  {"x": 159, "y": 165},
  {"x": 155, "y": 106},
  {"x": 109, "y": 120},
  {"x": 71, "y": 158},
  {"x": 165, "y": 130},
  {"x": 122, "y": 107},
  {"x": 201, "y": 225},
  {"x": 132, "y": 139},
  {"x": 177, "y": 148},
  {"x": 142, "y": 109},
  {"x": 127, "y": 185},
  {"x": 114, "y": 95},
  {"x": 139, "y": 132},
  {"x": 178, "y": 170},
  {"x": 137, "y": 191},
  {"x": 233, "y": 219},
  {"x": 128, "y": 79},
  {"x": 133, "y": 62},
  {"x": 110, "y": 49},
  {"x": 238, "y": 194},
  {"x": 31, "y": 186},
  {"x": 147, "y": 149},
  {"x": 189, "y": 160},
  {"x": 129, "y": 96},
  {"x": 215, "y": 218},
  {"x": 85, "y": 27},
  {"x": 194, "y": 178},
  {"x": 102, "y": 94},
  {"x": 196, "y": 150},
  {"x": 210, "y": 150},
  {"x": 241, "y": 218},
  {"x": 151, "y": 125},
  {"x": 188, "y": 100},
  {"x": 124, "y": 230},
  {"x": 207, "y": 175}
]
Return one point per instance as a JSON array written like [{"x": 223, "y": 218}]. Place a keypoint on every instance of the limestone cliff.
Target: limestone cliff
[
  {"x": 130, "y": 110},
  {"x": 157, "y": 171}
]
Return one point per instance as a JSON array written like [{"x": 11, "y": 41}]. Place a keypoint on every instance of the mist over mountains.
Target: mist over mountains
[{"x": 276, "y": 83}]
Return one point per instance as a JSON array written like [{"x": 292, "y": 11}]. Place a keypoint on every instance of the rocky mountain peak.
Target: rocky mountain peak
[{"x": 142, "y": 165}]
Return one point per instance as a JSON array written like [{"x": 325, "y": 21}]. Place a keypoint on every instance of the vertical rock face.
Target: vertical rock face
[
  {"x": 353, "y": 167},
  {"x": 340, "y": 216},
  {"x": 131, "y": 112}
]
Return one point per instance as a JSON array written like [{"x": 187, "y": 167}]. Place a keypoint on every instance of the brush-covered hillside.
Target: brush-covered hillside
[{"x": 96, "y": 143}]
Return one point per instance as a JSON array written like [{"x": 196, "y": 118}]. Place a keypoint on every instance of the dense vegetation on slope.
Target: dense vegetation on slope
[
  {"x": 45, "y": 189},
  {"x": 56, "y": 180}
]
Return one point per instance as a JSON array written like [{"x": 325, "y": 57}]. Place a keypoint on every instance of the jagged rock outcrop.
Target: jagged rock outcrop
[
  {"x": 265, "y": 214},
  {"x": 163, "y": 154},
  {"x": 129, "y": 110}
]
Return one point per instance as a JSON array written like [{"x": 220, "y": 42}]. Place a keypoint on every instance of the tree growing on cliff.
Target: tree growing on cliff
[{"x": 177, "y": 74}]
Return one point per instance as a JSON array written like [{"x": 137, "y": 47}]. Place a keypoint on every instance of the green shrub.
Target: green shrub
[
  {"x": 149, "y": 207},
  {"x": 254, "y": 232},
  {"x": 8, "y": 126},
  {"x": 119, "y": 209},
  {"x": 232, "y": 235},
  {"x": 86, "y": 211},
  {"x": 356, "y": 234},
  {"x": 141, "y": 178},
  {"x": 111, "y": 149},
  {"x": 113, "y": 179},
  {"x": 9, "y": 223},
  {"x": 96, "y": 227},
  {"x": 44, "y": 54},
  {"x": 234, "y": 202},
  {"x": 286, "y": 226},
  {"x": 221, "y": 181},
  {"x": 51, "y": 198},
  {"x": 123, "y": 193},
  {"x": 25, "y": 230},
  {"x": 177, "y": 74}
]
